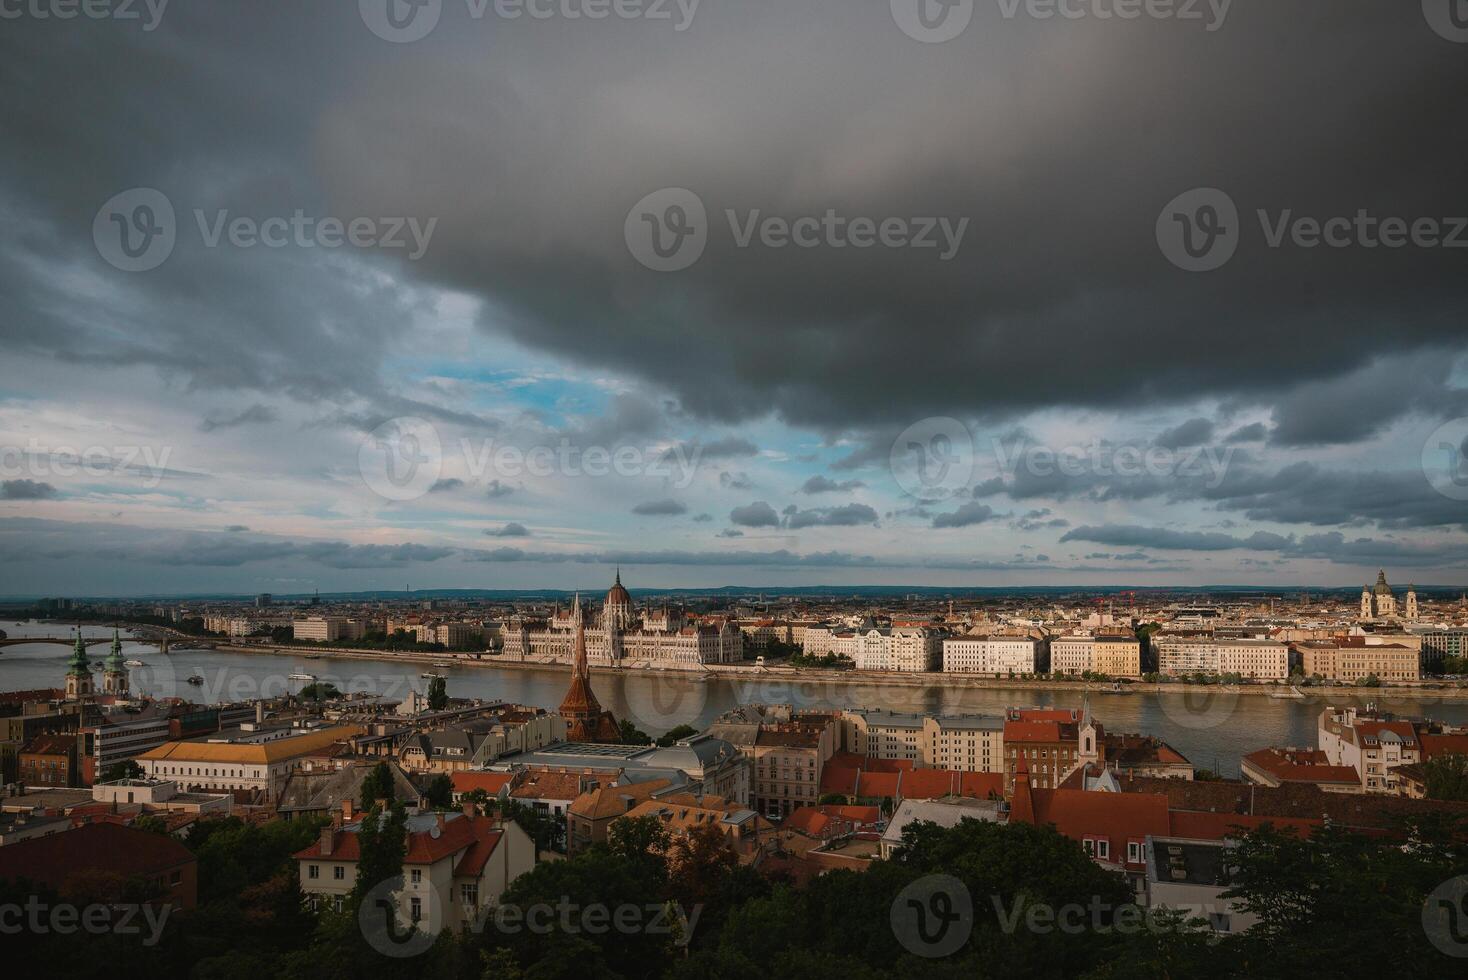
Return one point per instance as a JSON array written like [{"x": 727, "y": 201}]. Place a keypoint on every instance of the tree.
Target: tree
[
  {"x": 440, "y": 792},
  {"x": 377, "y": 786},
  {"x": 318, "y": 691},
  {"x": 382, "y": 843},
  {"x": 632, "y": 735},
  {"x": 126, "y": 769},
  {"x": 675, "y": 734},
  {"x": 833, "y": 799},
  {"x": 438, "y": 694},
  {"x": 1447, "y": 777}
]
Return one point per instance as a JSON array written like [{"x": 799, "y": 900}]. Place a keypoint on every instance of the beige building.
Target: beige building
[
  {"x": 967, "y": 743},
  {"x": 1348, "y": 660},
  {"x": 1115, "y": 655},
  {"x": 328, "y": 629},
  {"x": 258, "y": 761},
  {"x": 1371, "y": 744},
  {"x": 788, "y": 762}
]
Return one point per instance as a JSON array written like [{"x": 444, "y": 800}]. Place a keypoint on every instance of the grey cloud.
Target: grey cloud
[
  {"x": 735, "y": 481},
  {"x": 966, "y": 515},
  {"x": 667, "y": 507},
  {"x": 757, "y": 514},
  {"x": 254, "y": 415},
  {"x": 26, "y": 490},
  {"x": 495, "y": 489},
  {"x": 848, "y": 515},
  {"x": 447, "y": 483},
  {"x": 1193, "y": 432},
  {"x": 823, "y": 484},
  {"x": 511, "y": 530},
  {"x": 1253, "y": 432}
]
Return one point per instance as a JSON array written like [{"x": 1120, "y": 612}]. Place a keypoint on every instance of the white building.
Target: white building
[
  {"x": 455, "y": 868},
  {"x": 995, "y": 655}
]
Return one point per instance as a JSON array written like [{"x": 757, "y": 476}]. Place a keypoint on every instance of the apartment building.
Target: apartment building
[
  {"x": 1370, "y": 743},
  {"x": 1251, "y": 659},
  {"x": 996, "y": 656},
  {"x": 1350, "y": 658},
  {"x": 328, "y": 629},
  {"x": 967, "y": 743},
  {"x": 1115, "y": 655},
  {"x": 788, "y": 761}
]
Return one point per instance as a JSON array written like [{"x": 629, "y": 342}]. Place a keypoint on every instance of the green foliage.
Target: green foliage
[
  {"x": 438, "y": 694},
  {"x": 377, "y": 786},
  {"x": 675, "y": 734},
  {"x": 126, "y": 769},
  {"x": 382, "y": 841},
  {"x": 833, "y": 799},
  {"x": 318, "y": 691},
  {"x": 632, "y": 735},
  {"x": 440, "y": 792},
  {"x": 829, "y": 661},
  {"x": 1447, "y": 777}
]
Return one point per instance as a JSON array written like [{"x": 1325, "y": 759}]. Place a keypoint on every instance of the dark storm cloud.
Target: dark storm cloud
[
  {"x": 42, "y": 540},
  {"x": 823, "y": 484},
  {"x": 1361, "y": 403},
  {"x": 1193, "y": 432},
  {"x": 1061, "y": 252},
  {"x": 1332, "y": 546},
  {"x": 757, "y": 514},
  {"x": 26, "y": 490},
  {"x": 667, "y": 507}
]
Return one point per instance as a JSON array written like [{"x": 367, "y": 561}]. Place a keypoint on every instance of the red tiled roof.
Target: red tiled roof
[
  {"x": 457, "y": 834},
  {"x": 1301, "y": 766},
  {"x": 818, "y": 821},
  {"x": 50, "y": 745},
  {"x": 491, "y": 782},
  {"x": 1435, "y": 745},
  {"x": 869, "y": 763},
  {"x": 932, "y": 784},
  {"x": 477, "y": 856},
  {"x": 879, "y": 784},
  {"x": 839, "y": 779},
  {"x": 1031, "y": 731},
  {"x": 52, "y": 859},
  {"x": 1196, "y": 825}
]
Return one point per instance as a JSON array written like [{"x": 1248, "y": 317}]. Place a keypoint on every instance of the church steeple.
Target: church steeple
[
  {"x": 79, "y": 682},
  {"x": 114, "y": 672}
]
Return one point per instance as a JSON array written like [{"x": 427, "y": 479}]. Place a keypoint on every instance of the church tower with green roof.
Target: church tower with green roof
[
  {"x": 79, "y": 681},
  {"x": 114, "y": 673}
]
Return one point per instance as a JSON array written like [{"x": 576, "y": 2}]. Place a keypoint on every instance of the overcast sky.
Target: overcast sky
[{"x": 990, "y": 359}]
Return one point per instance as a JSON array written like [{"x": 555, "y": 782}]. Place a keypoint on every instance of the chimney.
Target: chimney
[
  {"x": 328, "y": 841},
  {"x": 259, "y": 712},
  {"x": 470, "y": 810},
  {"x": 440, "y": 820},
  {"x": 347, "y": 810}
]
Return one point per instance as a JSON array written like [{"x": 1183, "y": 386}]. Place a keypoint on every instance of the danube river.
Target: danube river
[{"x": 1212, "y": 730}]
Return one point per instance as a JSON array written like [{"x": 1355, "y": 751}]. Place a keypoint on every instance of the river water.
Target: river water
[{"x": 1212, "y": 730}]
